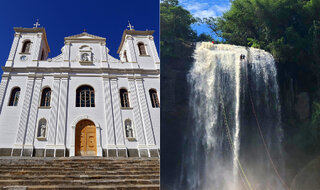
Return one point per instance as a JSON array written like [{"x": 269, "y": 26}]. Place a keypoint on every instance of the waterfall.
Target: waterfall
[{"x": 223, "y": 149}]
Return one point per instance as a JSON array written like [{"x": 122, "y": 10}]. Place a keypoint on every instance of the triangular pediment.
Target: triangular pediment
[{"x": 84, "y": 36}]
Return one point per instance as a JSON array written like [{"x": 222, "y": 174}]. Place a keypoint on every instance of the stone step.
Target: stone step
[
  {"x": 19, "y": 160},
  {"x": 123, "y": 187},
  {"x": 138, "y": 172},
  {"x": 9, "y": 158},
  {"x": 77, "y": 166},
  {"x": 75, "y": 177},
  {"x": 80, "y": 173},
  {"x": 82, "y": 164},
  {"x": 77, "y": 163},
  {"x": 109, "y": 167},
  {"x": 77, "y": 171},
  {"x": 114, "y": 182}
]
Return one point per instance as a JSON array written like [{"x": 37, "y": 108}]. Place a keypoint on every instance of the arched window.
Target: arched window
[
  {"x": 154, "y": 98},
  {"x": 45, "y": 97},
  {"x": 124, "y": 97},
  {"x": 26, "y": 46},
  {"x": 128, "y": 128},
  {"x": 14, "y": 97},
  {"x": 142, "y": 48},
  {"x": 85, "y": 96},
  {"x": 125, "y": 56},
  {"x": 42, "y": 128}
]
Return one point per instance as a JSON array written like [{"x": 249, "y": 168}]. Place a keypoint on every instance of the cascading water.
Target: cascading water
[{"x": 229, "y": 85}]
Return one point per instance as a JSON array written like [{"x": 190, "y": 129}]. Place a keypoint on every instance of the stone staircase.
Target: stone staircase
[{"x": 79, "y": 173}]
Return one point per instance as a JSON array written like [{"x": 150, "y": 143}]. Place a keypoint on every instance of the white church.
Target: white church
[{"x": 83, "y": 102}]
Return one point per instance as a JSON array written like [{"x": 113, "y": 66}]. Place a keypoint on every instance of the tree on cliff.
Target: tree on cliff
[
  {"x": 289, "y": 29},
  {"x": 175, "y": 28}
]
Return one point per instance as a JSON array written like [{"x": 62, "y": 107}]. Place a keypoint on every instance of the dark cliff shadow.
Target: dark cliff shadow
[{"x": 174, "y": 113}]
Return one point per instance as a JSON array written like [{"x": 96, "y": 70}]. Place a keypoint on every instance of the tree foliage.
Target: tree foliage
[
  {"x": 204, "y": 37},
  {"x": 268, "y": 21},
  {"x": 175, "y": 29},
  {"x": 289, "y": 29}
]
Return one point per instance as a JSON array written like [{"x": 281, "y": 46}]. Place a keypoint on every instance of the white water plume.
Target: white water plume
[{"x": 222, "y": 80}]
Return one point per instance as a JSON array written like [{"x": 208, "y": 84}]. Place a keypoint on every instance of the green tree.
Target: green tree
[
  {"x": 175, "y": 30},
  {"x": 289, "y": 29},
  {"x": 270, "y": 24},
  {"x": 204, "y": 37}
]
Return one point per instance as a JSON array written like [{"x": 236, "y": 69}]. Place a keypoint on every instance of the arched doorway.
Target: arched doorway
[{"x": 85, "y": 141}]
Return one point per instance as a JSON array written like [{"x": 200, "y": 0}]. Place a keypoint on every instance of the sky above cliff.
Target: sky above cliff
[
  {"x": 63, "y": 18},
  {"x": 205, "y": 9}
]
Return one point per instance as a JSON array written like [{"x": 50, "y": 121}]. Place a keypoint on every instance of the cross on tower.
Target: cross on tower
[
  {"x": 84, "y": 30},
  {"x": 36, "y": 24},
  {"x": 130, "y": 26}
]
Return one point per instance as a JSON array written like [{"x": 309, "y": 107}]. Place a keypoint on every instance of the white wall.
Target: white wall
[
  {"x": 105, "y": 76},
  {"x": 9, "y": 119}
]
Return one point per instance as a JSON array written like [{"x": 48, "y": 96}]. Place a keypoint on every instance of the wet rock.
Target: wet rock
[{"x": 302, "y": 106}]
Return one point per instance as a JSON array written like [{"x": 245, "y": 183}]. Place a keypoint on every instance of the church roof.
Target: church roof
[
  {"x": 133, "y": 32},
  {"x": 85, "y": 36}
]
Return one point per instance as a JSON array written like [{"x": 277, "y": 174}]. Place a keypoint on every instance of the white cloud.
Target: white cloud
[
  {"x": 223, "y": 8},
  {"x": 206, "y": 8},
  {"x": 196, "y": 6},
  {"x": 205, "y": 13}
]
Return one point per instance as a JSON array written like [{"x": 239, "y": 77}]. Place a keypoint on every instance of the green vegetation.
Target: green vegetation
[
  {"x": 175, "y": 28},
  {"x": 290, "y": 30},
  {"x": 285, "y": 25},
  {"x": 176, "y": 31},
  {"x": 204, "y": 37}
]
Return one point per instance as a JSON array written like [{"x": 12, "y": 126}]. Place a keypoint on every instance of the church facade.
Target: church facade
[{"x": 83, "y": 102}]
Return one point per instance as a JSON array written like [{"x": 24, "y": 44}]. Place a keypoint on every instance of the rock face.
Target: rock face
[
  {"x": 79, "y": 173},
  {"x": 302, "y": 107},
  {"x": 174, "y": 114}
]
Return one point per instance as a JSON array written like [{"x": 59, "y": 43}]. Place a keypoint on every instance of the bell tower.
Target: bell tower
[
  {"x": 138, "y": 47},
  {"x": 29, "y": 46}
]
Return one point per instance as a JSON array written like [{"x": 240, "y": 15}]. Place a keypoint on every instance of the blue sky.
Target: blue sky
[
  {"x": 205, "y": 9},
  {"x": 63, "y": 18}
]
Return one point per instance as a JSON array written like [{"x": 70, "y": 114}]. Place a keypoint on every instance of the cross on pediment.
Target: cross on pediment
[
  {"x": 36, "y": 24},
  {"x": 130, "y": 26}
]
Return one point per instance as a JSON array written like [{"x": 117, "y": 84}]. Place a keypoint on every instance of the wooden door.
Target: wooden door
[{"x": 86, "y": 141}]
